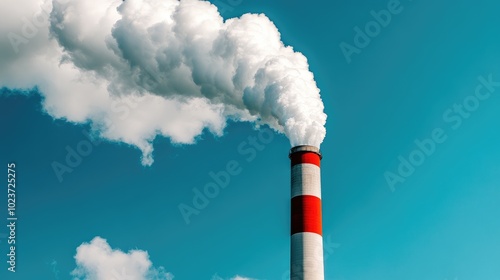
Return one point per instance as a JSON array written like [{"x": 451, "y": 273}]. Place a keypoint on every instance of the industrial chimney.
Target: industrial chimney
[{"x": 306, "y": 255}]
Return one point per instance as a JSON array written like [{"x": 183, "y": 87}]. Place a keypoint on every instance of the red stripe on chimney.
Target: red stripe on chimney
[
  {"x": 305, "y": 157},
  {"x": 306, "y": 214}
]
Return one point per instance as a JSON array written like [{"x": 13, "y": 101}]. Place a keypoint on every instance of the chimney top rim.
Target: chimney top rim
[{"x": 305, "y": 148}]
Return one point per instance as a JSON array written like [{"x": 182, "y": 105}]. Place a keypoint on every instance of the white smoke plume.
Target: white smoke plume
[{"x": 138, "y": 69}]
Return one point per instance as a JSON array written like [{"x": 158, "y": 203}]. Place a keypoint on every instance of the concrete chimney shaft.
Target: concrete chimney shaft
[{"x": 306, "y": 255}]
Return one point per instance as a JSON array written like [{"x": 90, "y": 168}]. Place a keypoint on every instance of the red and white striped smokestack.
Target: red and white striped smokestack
[{"x": 306, "y": 259}]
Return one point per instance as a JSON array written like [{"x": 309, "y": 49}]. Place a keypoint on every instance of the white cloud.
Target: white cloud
[
  {"x": 237, "y": 277},
  {"x": 98, "y": 261}
]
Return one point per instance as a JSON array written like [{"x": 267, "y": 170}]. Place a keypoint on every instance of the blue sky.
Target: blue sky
[{"x": 440, "y": 223}]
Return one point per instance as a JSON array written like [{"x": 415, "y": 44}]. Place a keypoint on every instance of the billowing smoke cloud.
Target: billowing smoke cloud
[{"x": 137, "y": 69}]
